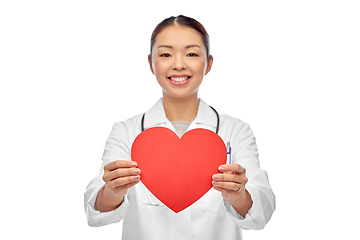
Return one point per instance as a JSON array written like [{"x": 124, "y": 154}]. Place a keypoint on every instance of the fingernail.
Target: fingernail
[
  {"x": 134, "y": 164},
  {"x": 216, "y": 177},
  {"x": 221, "y": 168},
  {"x": 137, "y": 171}
]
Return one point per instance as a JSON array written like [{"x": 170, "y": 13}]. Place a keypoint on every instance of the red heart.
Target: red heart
[{"x": 178, "y": 171}]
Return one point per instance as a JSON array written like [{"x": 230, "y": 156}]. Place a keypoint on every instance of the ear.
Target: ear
[
  {"x": 209, "y": 64},
  {"x": 150, "y": 63}
]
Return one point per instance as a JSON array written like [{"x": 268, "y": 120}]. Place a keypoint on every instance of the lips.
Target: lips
[{"x": 179, "y": 79}]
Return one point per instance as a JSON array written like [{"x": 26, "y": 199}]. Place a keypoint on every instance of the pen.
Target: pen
[{"x": 228, "y": 149}]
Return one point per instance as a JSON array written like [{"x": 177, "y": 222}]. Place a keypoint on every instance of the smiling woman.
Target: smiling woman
[{"x": 179, "y": 58}]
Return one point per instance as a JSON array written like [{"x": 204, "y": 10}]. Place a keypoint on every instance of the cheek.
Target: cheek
[
  {"x": 160, "y": 67},
  {"x": 200, "y": 67}
]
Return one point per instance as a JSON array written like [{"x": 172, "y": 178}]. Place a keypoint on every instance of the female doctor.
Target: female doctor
[{"x": 241, "y": 197}]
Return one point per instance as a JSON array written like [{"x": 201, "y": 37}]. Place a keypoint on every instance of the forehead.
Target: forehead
[{"x": 179, "y": 36}]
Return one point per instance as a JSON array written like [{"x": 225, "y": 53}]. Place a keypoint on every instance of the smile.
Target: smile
[{"x": 179, "y": 80}]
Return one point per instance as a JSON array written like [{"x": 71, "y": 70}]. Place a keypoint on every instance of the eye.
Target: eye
[
  {"x": 192, "y": 55},
  {"x": 165, "y": 55}
]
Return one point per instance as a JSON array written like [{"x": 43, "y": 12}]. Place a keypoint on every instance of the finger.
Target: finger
[
  {"x": 234, "y": 167},
  {"x": 227, "y": 177},
  {"x": 118, "y": 182},
  {"x": 121, "y": 172},
  {"x": 120, "y": 189},
  {"x": 227, "y": 185},
  {"x": 237, "y": 178},
  {"x": 119, "y": 164}
]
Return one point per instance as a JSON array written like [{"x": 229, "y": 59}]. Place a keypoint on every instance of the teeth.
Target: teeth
[{"x": 179, "y": 79}]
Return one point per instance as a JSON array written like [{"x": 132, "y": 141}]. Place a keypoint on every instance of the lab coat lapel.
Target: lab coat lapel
[
  {"x": 205, "y": 118},
  {"x": 156, "y": 117}
]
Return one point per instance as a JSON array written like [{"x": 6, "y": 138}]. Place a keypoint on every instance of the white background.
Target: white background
[{"x": 70, "y": 69}]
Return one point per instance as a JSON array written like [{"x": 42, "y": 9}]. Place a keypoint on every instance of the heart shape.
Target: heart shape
[{"x": 178, "y": 171}]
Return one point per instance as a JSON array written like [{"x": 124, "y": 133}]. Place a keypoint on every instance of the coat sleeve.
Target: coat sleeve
[
  {"x": 245, "y": 153},
  {"x": 117, "y": 148}
]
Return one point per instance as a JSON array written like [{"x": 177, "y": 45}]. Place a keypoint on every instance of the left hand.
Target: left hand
[{"x": 231, "y": 182}]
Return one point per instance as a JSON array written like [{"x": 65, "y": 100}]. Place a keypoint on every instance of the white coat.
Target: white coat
[{"x": 211, "y": 217}]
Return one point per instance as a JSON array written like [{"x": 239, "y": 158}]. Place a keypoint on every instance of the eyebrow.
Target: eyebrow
[
  {"x": 193, "y": 45},
  {"x": 188, "y": 46}
]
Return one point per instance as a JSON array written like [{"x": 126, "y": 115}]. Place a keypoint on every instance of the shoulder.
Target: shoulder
[
  {"x": 125, "y": 131},
  {"x": 130, "y": 123},
  {"x": 234, "y": 125},
  {"x": 233, "y": 121}
]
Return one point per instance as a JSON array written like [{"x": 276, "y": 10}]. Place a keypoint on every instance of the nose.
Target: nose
[{"x": 179, "y": 63}]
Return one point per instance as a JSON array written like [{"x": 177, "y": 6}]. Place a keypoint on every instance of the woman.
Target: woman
[{"x": 241, "y": 197}]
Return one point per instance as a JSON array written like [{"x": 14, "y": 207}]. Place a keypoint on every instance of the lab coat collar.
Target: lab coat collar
[{"x": 156, "y": 116}]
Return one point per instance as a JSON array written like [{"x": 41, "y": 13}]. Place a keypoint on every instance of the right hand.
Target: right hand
[{"x": 121, "y": 175}]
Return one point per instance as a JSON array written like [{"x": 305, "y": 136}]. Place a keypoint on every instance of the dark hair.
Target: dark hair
[{"x": 182, "y": 21}]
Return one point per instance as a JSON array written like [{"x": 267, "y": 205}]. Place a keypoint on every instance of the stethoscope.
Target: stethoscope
[
  {"x": 217, "y": 124},
  {"x": 150, "y": 202}
]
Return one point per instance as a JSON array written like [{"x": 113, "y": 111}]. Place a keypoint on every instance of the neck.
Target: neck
[{"x": 180, "y": 109}]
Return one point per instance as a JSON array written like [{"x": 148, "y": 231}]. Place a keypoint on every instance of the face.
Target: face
[{"x": 179, "y": 61}]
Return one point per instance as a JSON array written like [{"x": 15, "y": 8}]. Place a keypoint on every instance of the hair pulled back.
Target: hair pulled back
[{"x": 182, "y": 21}]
